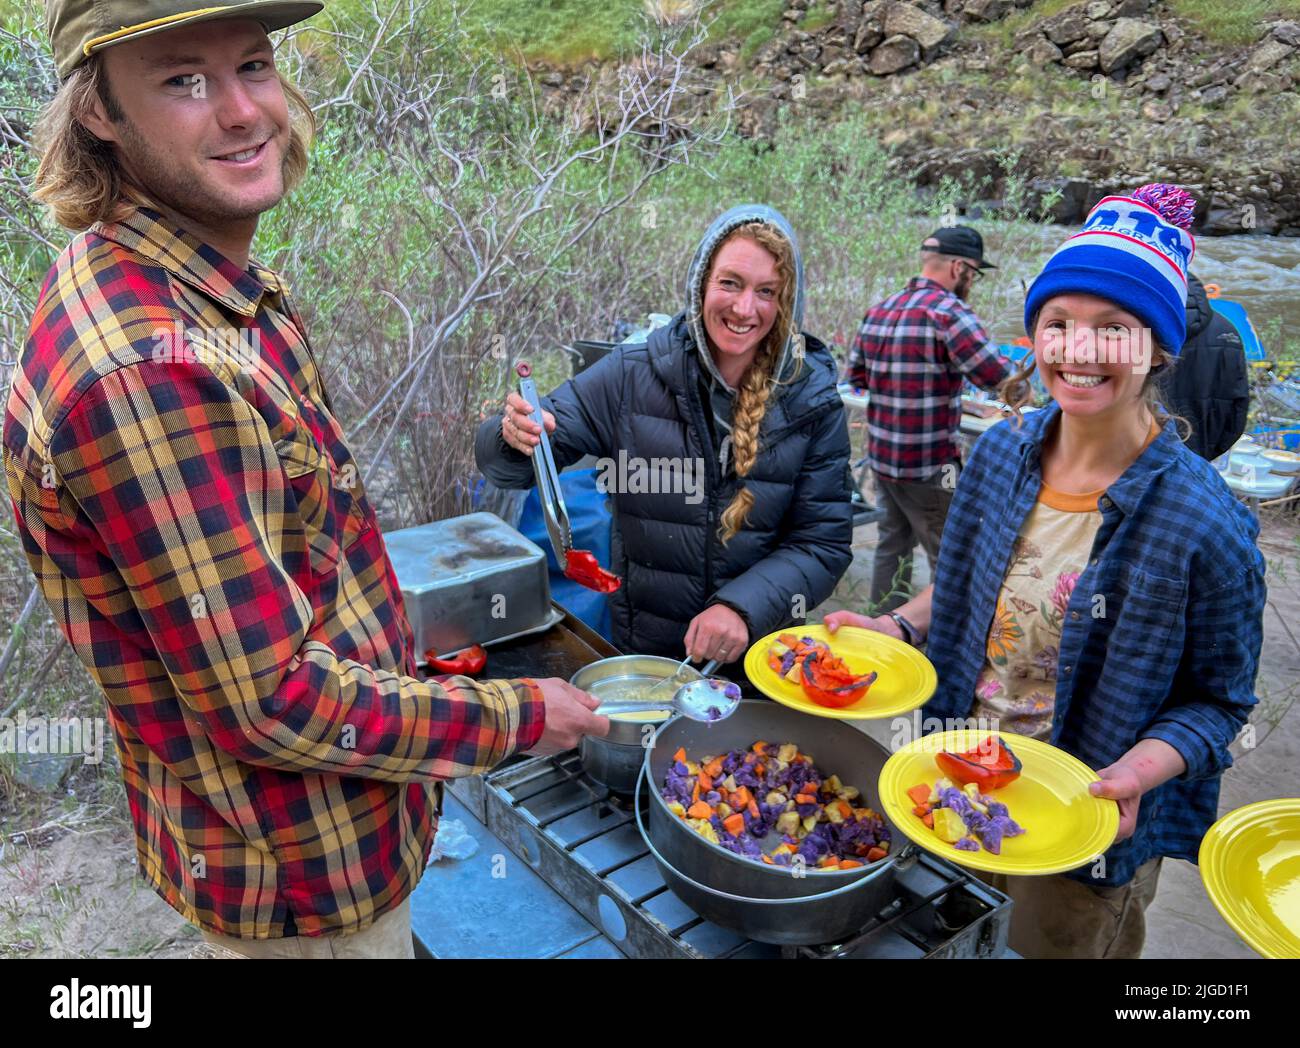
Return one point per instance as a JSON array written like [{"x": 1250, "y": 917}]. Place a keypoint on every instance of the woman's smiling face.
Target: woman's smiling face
[
  {"x": 1092, "y": 355},
  {"x": 741, "y": 294}
]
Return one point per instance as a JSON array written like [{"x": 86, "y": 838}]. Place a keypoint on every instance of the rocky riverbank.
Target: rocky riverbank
[{"x": 1090, "y": 99}]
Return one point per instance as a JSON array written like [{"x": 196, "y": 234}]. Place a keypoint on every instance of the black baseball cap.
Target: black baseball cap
[{"x": 961, "y": 241}]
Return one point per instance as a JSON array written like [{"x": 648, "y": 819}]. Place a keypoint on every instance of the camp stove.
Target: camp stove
[{"x": 582, "y": 840}]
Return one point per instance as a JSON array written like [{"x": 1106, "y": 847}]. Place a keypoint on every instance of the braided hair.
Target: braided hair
[{"x": 759, "y": 379}]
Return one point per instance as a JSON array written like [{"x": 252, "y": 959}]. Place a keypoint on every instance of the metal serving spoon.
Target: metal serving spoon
[{"x": 707, "y": 699}]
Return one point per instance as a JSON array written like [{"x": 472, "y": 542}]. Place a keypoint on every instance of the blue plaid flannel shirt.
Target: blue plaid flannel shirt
[{"x": 1174, "y": 653}]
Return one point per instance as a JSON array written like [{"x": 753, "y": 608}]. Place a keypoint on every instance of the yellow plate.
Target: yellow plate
[
  {"x": 906, "y": 677},
  {"x": 1250, "y": 864},
  {"x": 1065, "y": 826}
]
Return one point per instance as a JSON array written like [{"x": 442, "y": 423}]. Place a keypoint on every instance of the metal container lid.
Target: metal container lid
[
  {"x": 457, "y": 549},
  {"x": 469, "y": 580}
]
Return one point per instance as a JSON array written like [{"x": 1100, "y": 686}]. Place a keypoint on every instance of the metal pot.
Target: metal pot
[
  {"x": 837, "y": 747},
  {"x": 615, "y": 760},
  {"x": 829, "y": 917}
]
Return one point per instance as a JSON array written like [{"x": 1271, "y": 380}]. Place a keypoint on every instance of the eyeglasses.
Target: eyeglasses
[{"x": 975, "y": 271}]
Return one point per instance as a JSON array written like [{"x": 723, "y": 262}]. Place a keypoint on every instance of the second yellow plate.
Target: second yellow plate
[
  {"x": 906, "y": 677},
  {"x": 1065, "y": 825},
  {"x": 1250, "y": 864}
]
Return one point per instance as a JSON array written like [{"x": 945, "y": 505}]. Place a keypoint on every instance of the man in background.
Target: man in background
[{"x": 912, "y": 354}]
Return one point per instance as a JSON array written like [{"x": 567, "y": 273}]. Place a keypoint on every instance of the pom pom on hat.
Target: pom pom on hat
[{"x": 1176, "y": 205}]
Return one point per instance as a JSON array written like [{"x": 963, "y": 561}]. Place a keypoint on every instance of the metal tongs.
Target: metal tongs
[{"x": 580, "y": 565}]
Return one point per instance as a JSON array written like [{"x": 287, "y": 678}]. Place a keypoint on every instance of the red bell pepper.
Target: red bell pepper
[
  {"x": 581, "y": 566},
  {"x": 989, "y": 769},
  {"x": 466, "y": 664},
  {"x": 829, "y": 682}
]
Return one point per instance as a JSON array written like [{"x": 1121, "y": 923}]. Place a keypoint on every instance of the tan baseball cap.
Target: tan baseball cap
[{"x": 79, "y": 28}]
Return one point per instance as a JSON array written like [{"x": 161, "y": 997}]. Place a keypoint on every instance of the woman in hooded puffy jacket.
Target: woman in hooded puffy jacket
[{"x": 723, "y": 447}]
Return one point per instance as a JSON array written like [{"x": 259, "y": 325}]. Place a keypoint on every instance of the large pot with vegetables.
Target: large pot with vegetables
[
  {"x": 830, "y": 917},
  {"x": 800, "y": 790}
]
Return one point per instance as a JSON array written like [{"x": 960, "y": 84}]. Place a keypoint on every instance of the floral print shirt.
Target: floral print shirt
[{"x": 1017, "y": 686}]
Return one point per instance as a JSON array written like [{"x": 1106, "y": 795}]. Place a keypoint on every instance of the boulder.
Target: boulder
[
  {"x": 987, "y": 10},
  {"x": 1127, "y": 41},
  {"x": 894, "y": 55},
  {"x": 1043, "y": 52},
  {"x": 1097, "y": 9},
  {"x": 1132, "y": 8},
  {"x": 1159, "y": 83},
  {"x": 1082, "y": 60},
  {"x": 1154, "y": 109},
  {"x": 1287, "y": 33},
  {"x": 1267, "y": 55},
  {"x": 1065, "y": 28},
  {"x": 926, "y": 30},
  {"x": 1071, "y": 207},
  {"x": 871, "y": 26}
]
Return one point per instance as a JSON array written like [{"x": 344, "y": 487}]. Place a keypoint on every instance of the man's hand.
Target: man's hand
[
  {"x": 881, "y": 623},
  {"x": 717, "y": 633},
  {"x": 1120, "y": 783},
  {"x": 568, "y": 717},
  {"x": 518, "y": 428}
]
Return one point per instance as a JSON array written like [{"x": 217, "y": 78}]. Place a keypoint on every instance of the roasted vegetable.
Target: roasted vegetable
[
  {"x": 989, "y": 767},
  {"x": 965, "y": 818},
  {"x": 948, "y": 825},
  {"x": 775, "y": 788},
  {"x": 465, "y": 664},
  {"x": 828, "y": 681}
]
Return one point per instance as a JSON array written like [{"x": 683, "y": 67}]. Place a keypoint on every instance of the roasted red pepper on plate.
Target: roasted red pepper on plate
[
  {"x": 464, "y": 664},
  {"x": 990, "y": 768},
  {"x": 828, "y": 681}
]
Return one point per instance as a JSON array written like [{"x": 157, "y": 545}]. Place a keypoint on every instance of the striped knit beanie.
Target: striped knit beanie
[{"x": 1134, "y": 251}]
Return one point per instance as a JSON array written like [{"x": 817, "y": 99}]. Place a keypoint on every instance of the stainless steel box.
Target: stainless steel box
[{"x": 469, "y": 580}]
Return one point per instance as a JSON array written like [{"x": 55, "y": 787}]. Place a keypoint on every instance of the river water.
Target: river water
[{"x": 1260, "y": 272}]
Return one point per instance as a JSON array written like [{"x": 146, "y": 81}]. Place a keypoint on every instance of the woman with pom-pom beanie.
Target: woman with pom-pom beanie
[{"x": 1098, "y": 585}]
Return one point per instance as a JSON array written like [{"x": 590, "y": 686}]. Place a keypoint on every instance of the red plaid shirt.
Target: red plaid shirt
[
  {"x": 911, "y": 355},
  {"x": 196, "y": 521}
]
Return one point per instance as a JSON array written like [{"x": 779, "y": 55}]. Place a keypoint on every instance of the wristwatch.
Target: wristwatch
[{"x": 908, "y": 630}]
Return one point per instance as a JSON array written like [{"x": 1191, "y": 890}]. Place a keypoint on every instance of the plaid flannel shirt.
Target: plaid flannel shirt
[
  {"x": 1160, "y": 640},
  {"x": 911, "y": 354},
  {"x": 197, "y": 524}
]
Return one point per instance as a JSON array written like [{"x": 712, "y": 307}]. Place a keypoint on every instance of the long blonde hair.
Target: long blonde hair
[
  {"x": 759, "y": 380},
  {"x": 79, "y": 177}
]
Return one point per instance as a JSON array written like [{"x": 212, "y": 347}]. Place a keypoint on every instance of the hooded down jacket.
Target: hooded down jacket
[{"x": 657, "y": 416}]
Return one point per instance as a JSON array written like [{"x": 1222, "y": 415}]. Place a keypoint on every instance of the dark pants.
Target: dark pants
[{"x": 914, "y": 513}]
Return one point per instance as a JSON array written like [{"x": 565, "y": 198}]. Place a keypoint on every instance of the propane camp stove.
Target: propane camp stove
[{"x": 582, "y": 840}]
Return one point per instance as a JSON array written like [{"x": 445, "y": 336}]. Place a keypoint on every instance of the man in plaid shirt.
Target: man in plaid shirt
[
  {"x": 911, "y": 355},
  {"x": 195, "y": 518}
]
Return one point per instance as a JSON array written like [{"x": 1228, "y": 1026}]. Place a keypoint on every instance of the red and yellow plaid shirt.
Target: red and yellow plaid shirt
[{"x": 197, "y": 524}]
